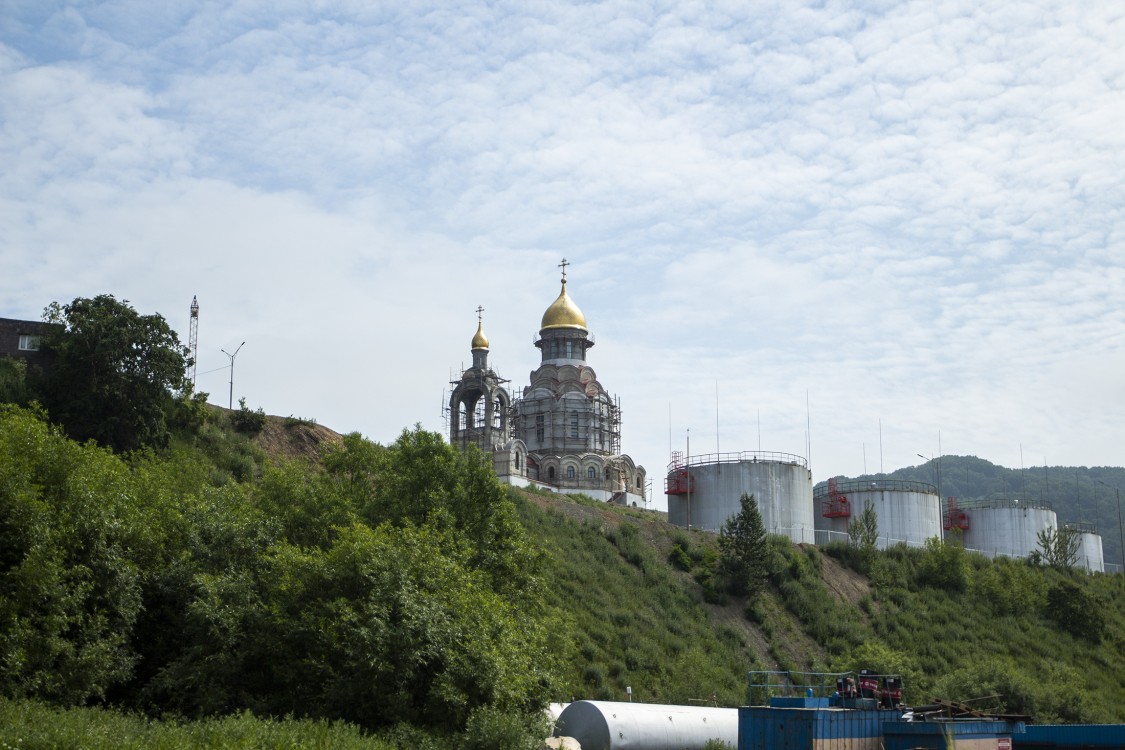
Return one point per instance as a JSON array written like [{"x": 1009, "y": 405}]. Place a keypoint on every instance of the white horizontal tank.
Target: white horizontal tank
[
  {"x": 605, "y": 725},
  {"x": 1006, "y": 527},
  {"x": 908, "y": 512},
  {"x": 704, "y": 491}
]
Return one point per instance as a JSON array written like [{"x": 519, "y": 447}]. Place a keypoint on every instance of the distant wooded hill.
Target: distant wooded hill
[{"x": 1078, "y": 494}]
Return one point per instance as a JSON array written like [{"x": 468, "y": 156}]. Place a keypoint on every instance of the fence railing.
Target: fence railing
[
  {"x": 707, "y": 459},
  {"x": 875, "y": 485}
]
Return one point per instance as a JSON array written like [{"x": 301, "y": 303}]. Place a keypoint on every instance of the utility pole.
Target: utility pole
[
  {"x": 230, "y": 398},
  {"x": 1120, "y": 527}
]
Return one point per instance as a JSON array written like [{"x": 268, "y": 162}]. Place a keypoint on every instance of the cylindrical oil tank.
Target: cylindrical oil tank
[
  {"x": 1006, "y": 527},
  {"x": 1089, "y": 548},
  {"x": 908, "y": 512},
  {"x": 605, "y": 725},
  {"x": 704, "y": 491}
]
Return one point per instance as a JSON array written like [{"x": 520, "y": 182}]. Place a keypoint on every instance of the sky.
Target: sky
[{"x": 862, "y": 233}]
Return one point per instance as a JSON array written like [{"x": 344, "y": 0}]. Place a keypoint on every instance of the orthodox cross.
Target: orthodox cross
[{"x": 563, "y": 266}]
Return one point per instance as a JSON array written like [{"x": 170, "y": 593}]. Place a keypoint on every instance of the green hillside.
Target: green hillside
[
  {"x": 266, "y": 567},
  {"x": 959, "y": 626}
]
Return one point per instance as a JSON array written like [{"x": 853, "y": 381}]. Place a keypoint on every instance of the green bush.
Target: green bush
[
  {"x": 1075, "y": 611},
  {"x": 246, "y": 421},
  {"x": 944, "y": 566},
  {"x": 679, "y": 558}
]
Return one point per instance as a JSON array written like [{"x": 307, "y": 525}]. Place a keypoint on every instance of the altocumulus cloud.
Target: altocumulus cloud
[{"x": 897, "y": 212}]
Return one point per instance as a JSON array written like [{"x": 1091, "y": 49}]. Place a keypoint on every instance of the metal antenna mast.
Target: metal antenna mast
[{"x": 193, "y": 339}]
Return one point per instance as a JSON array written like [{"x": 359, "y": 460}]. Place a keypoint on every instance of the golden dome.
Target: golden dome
[
  {"x": 563, "y": 313},
  {"x": 480, "y": 341}
]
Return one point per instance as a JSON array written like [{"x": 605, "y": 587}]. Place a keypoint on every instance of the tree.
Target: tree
[
  {"x": 1058, "y": 547},
  {"x": 13, "y": 382},
  {"x": 1076, "y": 611},
  {"x": 114, "y": 372},
  {"x": 744, "y": 555},
  {"x": 863, "y": 531},
  {"x": 69, "y": 594}
]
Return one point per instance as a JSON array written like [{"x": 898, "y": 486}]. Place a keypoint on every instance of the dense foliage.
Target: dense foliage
[
  {"x": 394, "y": 587},
  {"x": 113, "y": 372},
  {"x": 400, "y": 588}
]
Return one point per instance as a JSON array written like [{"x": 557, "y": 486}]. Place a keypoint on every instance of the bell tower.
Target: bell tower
[{"x": 479, "y": 404}]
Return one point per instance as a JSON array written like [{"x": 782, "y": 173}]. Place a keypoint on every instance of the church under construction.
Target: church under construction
[{"x": 564, "y": 433}]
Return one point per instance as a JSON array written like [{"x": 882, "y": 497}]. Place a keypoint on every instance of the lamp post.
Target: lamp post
[
  {"x": 230, "y": 398},
  {"x": 1120, "y": 532},
  {"x": 936, "y": 473}
]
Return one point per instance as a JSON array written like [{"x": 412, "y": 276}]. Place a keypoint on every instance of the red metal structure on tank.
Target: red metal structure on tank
[
  {"x": 679, "y": 480},
  {"x": 835, "y": 505},
  {"x": 954, "y": 518}
]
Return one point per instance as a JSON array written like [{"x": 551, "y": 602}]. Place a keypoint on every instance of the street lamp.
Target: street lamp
[
  {"x": 1120, "y": 533},
  {"x": 230, "y": 398},
  {"x": 937, "y": 472}
]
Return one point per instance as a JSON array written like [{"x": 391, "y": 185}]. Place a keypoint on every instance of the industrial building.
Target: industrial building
[
  {"x": 804, "y": 711},
  {"x": 1090, "y": 556},
  {"x": 908, "y": 512},
  {"x": 704, "y": 491},
  {"x": 1003, "y": 527}
]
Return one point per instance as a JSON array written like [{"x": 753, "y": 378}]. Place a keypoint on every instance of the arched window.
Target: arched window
[
  {"x": 638, "y": 483},
  {"x": 570, "y": 472},
  {"x": 551, "y": 472},
  {"x": 607, "y": 472},
  {"x": 519, "y": 458},
  {"x": 591, "y": 473}
]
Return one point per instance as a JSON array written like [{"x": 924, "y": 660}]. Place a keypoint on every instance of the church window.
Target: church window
[
  {"x": 607, "y": 472},
  {"x": 570, "y": 472},
  {"x": 638, "y": 483},
  {"x": 569, "y": 349},
  {"x": 551, "y": 472},
  {"x": 539, "y": 428},
  {"x": 574, "y": 425},
  {"x": 591, "y": 473},
  {"x": 519, "y": 458}
]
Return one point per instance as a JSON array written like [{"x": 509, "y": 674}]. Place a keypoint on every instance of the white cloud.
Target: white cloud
[{"x": 910, "y": 212}]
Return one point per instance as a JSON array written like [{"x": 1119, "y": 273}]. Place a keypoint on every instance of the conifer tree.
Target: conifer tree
[{"x": 742, "y": 548}]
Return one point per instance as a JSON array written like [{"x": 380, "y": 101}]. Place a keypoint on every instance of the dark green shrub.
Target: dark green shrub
[
  {"x": 247, "y": 422},
  {"x": 491, "y": 729},
  {"x": 679, "y": 558},
  {"x": 1075, "y": 611}
]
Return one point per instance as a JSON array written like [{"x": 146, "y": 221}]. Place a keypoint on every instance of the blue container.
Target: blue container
[
  {"x": 1070, "y": 736},
  {"x": 779, "y": 727},
  {"x": 964, "y": 734}
]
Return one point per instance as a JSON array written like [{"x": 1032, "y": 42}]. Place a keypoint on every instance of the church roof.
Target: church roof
[
  {"x": 480, "y": 341},
  {"x": 563, "y": 313}
]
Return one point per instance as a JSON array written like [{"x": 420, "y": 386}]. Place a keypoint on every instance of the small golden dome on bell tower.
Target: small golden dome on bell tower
[{"x": 480, "y": 341}]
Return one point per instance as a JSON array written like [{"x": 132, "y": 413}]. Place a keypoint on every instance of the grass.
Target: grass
[{"x": 28, "y": 725}]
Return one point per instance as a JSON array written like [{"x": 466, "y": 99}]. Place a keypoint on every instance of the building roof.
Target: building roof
[{"x": 563, "y": 313}]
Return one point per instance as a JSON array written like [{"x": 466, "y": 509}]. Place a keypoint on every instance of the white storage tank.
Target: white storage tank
[
  {"x": 1090, "y": 556},
  {"x": 704, "y": 491},
  {"x": 605, "y": 725},
  {"x": 1006, "y": 527},
  {"x": 908, "y": 512}
]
